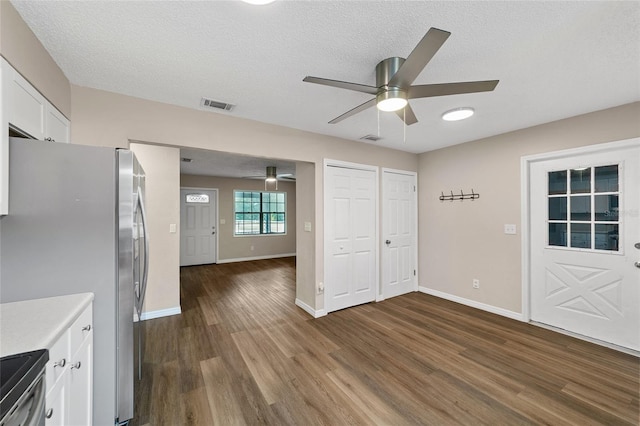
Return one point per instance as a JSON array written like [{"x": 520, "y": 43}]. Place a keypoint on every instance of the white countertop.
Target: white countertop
[{"x": 37, "y": 324}]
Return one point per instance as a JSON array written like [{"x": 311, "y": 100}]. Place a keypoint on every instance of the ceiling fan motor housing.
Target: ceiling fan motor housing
[{"x": 386, "y": 69}]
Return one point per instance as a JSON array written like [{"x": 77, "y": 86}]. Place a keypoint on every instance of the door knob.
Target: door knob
[{"x": 387, "y": 242}]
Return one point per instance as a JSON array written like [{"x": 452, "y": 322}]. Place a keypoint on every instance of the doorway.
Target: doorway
[
  {"x": 583, "y": 246},
  {"x": 198, "y": 226}
]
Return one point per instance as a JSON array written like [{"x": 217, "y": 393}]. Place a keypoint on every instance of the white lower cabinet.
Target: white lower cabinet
[{"x": 69, "y": 375}]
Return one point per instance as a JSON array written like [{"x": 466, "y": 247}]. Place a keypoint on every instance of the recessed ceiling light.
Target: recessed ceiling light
[
  {"x": 457, "y": 114},
  {"x": 258, "y": 2}
]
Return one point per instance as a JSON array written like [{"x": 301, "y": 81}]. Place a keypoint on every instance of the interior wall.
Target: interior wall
[
  {"x": 110, "y": 119},
  {"x": 20, "y": 47},
  {"x": 460, "y": 241},
  {"x": 305, "y": 237},
  {"x": 162, "y": 200},
  {"x": 231, "y": 247}
]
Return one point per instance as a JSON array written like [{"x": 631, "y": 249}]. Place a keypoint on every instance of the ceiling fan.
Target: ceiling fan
[
  {"x": 394, "y": 76},
  {"x": 272, "y": 176}
]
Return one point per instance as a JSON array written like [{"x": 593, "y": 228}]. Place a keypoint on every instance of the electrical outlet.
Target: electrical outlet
[
  {"x": 320, "y": 288},
  {"x": 476, "y": 283}
]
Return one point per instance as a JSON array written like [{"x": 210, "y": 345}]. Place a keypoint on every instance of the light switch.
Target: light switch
[
  {"x": 510, "y": 229},
  {"x": 173, "y": 228},
  {"x": 307, "y": 226},
  {"x": 222, "y": 221}
]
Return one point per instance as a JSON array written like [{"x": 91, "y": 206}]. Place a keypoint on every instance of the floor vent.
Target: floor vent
[
  {"x": 373, "y": 138},
  {"x": 210, "y": 103}
]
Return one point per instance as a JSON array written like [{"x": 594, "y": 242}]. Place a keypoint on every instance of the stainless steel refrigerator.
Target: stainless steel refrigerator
[{"x": 76, "y": 223}]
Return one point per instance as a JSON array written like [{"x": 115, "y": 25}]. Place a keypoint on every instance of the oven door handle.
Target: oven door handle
[{"x": 36, "y": 416}]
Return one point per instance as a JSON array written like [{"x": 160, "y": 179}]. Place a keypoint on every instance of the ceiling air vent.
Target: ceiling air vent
[
  {"x": 210, "y": 103},
  {"x": 372, "y": 138}
]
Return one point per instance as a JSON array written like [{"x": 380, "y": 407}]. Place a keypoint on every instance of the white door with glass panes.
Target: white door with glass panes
[
  {"x": 585, "y": 242},
  {"x": 399, "y": 231},
  {"x": 350, "y": 237},
  {"x": 198, "y": 232}
]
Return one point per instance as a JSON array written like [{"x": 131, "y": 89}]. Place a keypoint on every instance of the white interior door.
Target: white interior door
[
  {"x": 198, "y": 232},
  {"x": 350, "y": 237},
  {"x": 584, "y": 229},
  {"x": 399, "y": 230}
]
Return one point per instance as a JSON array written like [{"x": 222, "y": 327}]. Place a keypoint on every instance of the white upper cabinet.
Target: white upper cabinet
[{"x": 24, "y": 109}]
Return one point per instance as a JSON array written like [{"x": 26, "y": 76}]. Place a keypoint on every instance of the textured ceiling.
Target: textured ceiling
[
  {"x": 553, "y": 59},
  {"x": 215, "y": 163}
]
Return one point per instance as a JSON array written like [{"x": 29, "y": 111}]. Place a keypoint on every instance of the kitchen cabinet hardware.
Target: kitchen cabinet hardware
[
  {"x": 60, "y": 363},
  {"x": 49, "y": 413},
  {"x": 86, "y": 328},
  {"x": 76, "y": 365}
]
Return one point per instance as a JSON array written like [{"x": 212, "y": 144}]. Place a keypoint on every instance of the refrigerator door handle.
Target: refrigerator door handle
[{"x": 145, "y": 271}]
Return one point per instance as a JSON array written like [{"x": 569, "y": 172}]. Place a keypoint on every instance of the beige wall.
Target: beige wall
[
  {"x": 459, "y": 241},
  {"x": 305, "y": 240},
  {"x": 231, "y": 247},
  {"x": 162, "y": 201},
  {"x": 109, "y": 119},
  {"x": 20, "y": 47}
]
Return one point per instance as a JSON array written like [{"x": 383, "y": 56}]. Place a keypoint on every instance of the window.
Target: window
[
  {"x": 583, "y": 208},
  {"x": 258, "y": 213}
]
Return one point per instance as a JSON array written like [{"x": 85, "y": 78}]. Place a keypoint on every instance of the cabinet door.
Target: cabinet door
[
  {"x": 81, "y": 384},
  {"x": 55, "y": 407},
  {"x": 26, "y": 106},
  {"x": 56, "y": 125}
]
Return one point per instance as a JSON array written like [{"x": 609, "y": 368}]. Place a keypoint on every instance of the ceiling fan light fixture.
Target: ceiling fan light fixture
[
  {"x": 271, "y": 174},
  {"x": 392, "y": 99},
  {"x": 258, "y": 2},
  {"x": 458, "y": 114}
]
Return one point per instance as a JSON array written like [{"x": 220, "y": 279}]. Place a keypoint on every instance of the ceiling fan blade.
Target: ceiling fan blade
[
  {"x": 407, "y": 115},
  {"x": 444, "y": 89},
  {"x": 354, "y": 111},
  {"x": 419, "y": 57},
  {"x": 342, "y": 84}
]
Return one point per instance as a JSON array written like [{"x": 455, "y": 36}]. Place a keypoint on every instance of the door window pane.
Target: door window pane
[
  {"x": 581, "y": 208},
  {"x": 558, "y": 208},
  {"x": 606, "y": 208},
  {"x": 558, "y": 182},
  {"x": 558, "y": 234},
  {"x": 581, "y": 181},
  {"x": 606, "y": 179},
  {"x": 581, "y": 235},
  {"x": 606, "y": 237}
]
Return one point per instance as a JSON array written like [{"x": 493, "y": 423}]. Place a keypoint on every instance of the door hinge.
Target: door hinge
[
  {"x": 414, "y": 272},
  {"x": 414, "y": 188}
]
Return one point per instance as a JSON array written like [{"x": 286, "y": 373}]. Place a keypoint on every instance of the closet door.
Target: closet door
[{"x": 351, "y": 263}]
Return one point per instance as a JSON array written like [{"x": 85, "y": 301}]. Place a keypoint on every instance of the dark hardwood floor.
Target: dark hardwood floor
[{"x": 243, "y": 353}]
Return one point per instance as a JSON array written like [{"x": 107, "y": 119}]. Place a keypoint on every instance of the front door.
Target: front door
[
  {"x": 350, "y": 237},
  {"x": 198, "y": 233},
  {"x": 398, "y": 233},
  {"x": 585, "y": 235}
]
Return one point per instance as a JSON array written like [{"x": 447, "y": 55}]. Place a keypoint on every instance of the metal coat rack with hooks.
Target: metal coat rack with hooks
[{"x": 461, "y": 196}]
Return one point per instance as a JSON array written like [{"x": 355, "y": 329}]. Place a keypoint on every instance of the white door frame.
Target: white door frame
[
  {"x": 525, "y": 170},
  {"x": 375, "y": 169},
  {"x": 215, "y": 193},
  {"x": 415, "y": 225}
]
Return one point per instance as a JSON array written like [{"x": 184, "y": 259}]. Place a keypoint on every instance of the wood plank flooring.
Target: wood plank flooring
[{"x": 242, "y": 353}]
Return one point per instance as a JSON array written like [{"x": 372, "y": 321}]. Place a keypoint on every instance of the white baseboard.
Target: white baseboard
[
  {"x": 160, "y": 313},
  {"x": 316, "y": 314},
  {"x": 483, "y": 306},
  {"x": 244, "y": 259}
]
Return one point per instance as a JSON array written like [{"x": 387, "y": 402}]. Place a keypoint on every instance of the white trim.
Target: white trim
[
  {"x": 525, "y": 176},
  {"x": 316, "y": 314},
  {"x": 357, "y": 166},
  {"x": 478, "y": 305},
  {"x": 245, "y": 259},
  {"x": 161, "y": 313},
  {"x": 415, "y": 224},
  {"x": 217, "y": 212}
]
